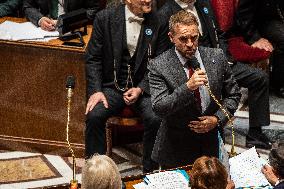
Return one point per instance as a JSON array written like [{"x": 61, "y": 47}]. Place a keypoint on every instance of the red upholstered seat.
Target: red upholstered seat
[
  {"x": 239, "y": 49},
  {"x": 123, "y": 129}
]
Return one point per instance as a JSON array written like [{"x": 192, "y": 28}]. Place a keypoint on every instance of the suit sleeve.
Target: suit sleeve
[
  {"x": 230, "y": 93},
  {"x": 31, "y": 10},
  {"x": 245, "y": 17},
  {"x": 162, "y": 43},
  {"x": 93, "y": 57},
  {"x": 164, "y": 102},
  {"x": 92, "y": 6},
  {"x": 9, "y": 7}
]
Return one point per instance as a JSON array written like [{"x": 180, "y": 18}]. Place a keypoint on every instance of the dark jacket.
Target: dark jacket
[
  {"x": 9, "y": 7},
  {"x": 253, "y": 14},
  {"x": 214, "y": 37},
  {"x": 280, "y": 185},
  {"x": 106, "y": 46},
  {"x": 36, "y": 9}
]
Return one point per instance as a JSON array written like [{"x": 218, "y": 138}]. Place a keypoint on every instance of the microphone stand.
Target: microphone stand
[
  {"x": 233, "y": 153},
  {"x": 69, "y": 86}
]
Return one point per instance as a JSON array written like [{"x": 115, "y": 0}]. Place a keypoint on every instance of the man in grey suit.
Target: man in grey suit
[{"x": 190, "y": 118}]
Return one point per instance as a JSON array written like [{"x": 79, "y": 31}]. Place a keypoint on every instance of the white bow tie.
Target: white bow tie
[{"x": 137, "y": 19}]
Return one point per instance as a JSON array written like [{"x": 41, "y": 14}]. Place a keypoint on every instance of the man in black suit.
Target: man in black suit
[
  {"x": 252, "y": 78},
  {"x": 261, "y": 22},
  {"x": 124, "y": 38},
  {"x": 43, "y": 13}
]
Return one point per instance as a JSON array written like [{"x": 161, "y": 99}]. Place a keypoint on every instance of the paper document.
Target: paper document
[
  {"x": 245, "y": 169},
  {"x": 24, "y": 31},
  {"x": 177, "y": 179}
]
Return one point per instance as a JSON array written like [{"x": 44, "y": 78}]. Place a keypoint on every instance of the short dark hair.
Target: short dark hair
[
  {"x": 208, "y": 173},
  {"x": 182, "y": 17},
  {"x": 276, "y": 160}
]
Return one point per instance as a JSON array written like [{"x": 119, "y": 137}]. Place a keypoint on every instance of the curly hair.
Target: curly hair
[{"x": 208, "y": 173}]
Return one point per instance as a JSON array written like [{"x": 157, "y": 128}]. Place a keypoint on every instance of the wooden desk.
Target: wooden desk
[
  {"x": 128, "y": 181},
  {"x": 33, "y": 96}
]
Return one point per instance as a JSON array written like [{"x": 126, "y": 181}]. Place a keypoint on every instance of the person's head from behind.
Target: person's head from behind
[
  {"x": 100, "y": 172},
  {"x": 184, "y": 33},
  {"x": 276, "y": 160},
  {"x": 208, "y": 173}
]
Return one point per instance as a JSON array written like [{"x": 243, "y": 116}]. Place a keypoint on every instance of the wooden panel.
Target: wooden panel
[{"x": 33, "y": 96}]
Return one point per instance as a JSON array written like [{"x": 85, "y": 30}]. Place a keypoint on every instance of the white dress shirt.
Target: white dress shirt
[
  {"x": 60, "y": 7},
  {"x": 190, "y": 8},
  {"x": 204, "y": 94},
  {"x": 132, "y": 31}
]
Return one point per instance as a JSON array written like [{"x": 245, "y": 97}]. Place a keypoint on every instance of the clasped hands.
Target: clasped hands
[
  {"x": 129, "y": 97},
  {"x": 204, "y": 125},
  {"x": 47, "y": 24}
]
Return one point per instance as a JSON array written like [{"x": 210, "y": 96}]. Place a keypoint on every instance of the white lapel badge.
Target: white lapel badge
[
  {"x": 148, "y": 32},
  {"x": 205, "y": 9}
]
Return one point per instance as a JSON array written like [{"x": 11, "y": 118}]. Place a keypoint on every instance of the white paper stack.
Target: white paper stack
[
  {"x": 24, "y": 31},
  {"x": 245, "y": 169},
  {"x": 177, "y": 179}
]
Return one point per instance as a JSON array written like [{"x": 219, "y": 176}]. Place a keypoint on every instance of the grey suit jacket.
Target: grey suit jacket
[{"x": 176, "y": 144}]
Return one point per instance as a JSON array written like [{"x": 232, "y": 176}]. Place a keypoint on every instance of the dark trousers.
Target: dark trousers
[
  {"x": 96, "y": 119},
  {"x": 274, "y": 31},
  {"x": 257, "y": 83}
]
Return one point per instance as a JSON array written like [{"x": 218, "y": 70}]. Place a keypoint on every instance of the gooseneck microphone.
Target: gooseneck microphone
[
  {"x": 70, "y": 85},
  {"x": 196, "y": 66}
]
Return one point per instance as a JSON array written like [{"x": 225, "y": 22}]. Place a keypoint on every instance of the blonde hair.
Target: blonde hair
[
  {"x": 208, "y": 173},
  {"x": 182, "y": 17},
  {"x": 100, "y": 172}
]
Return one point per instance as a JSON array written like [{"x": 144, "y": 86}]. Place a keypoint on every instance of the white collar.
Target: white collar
[{"x": 184, "y": 5}]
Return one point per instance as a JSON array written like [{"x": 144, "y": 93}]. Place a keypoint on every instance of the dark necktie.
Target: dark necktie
[{"x": 196, "y": 92}]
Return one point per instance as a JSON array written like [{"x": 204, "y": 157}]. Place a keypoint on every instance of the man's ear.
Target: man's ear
[{"x": 170, "y": 34}]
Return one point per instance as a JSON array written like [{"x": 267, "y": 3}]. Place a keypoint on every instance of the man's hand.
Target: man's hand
[
  {"x": 94, "y": 100},
  {"x": 47, "y": 24},
  {"x": 131, "y": 95},
  {"x": 205, "y": 124},
  {"x": 269, "y": 174},
  {"x": 264, "y": 44},
  {"x": 197, "y": 79}
]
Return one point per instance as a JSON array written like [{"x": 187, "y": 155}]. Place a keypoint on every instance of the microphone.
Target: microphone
[
  {"x": 70, "y": 84},
  {"x": 194, "y": 63}
]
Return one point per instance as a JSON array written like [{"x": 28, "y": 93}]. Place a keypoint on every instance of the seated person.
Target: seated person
[
  {"x": 9, "y": 7},
  {"x": 275, "y": 172},
  {"x": 209, "y": 173},
  {"x": 44, "y": 13},
  {"x": 100, "y": 172}
]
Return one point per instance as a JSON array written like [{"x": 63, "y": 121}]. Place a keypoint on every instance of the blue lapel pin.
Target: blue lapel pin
[
  {"x": 148, "y": 31},
  {"x": 205, "y": 9}
]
